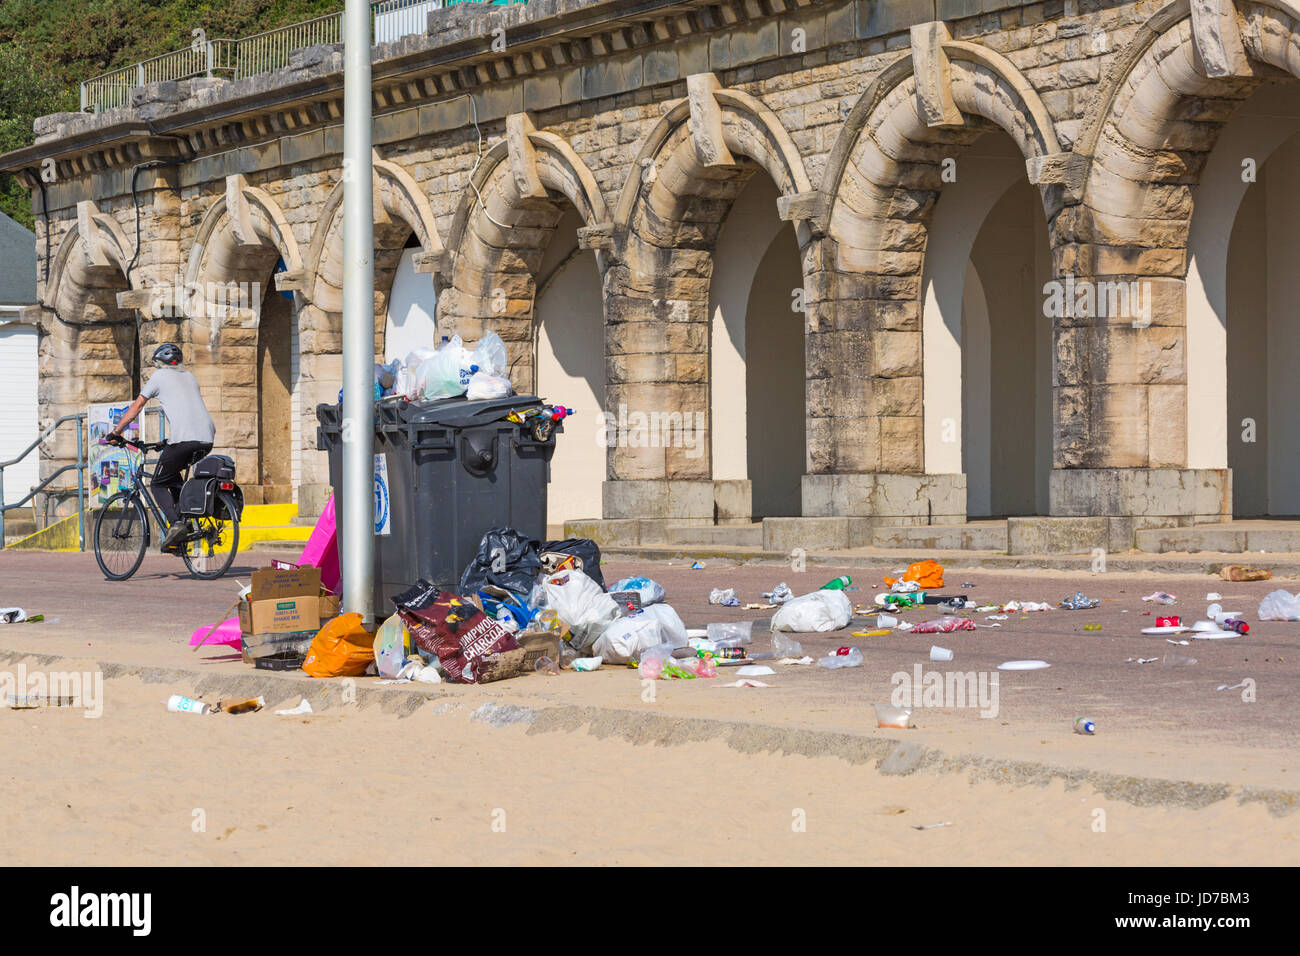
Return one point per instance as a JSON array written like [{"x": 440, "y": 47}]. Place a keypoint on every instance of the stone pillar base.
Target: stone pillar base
[
  {"x": 888, "y": 499},
  {"x": 311, "y": 499},
  {"x": 675, "y": 501},
  {"x": 1185, "y": 496}
]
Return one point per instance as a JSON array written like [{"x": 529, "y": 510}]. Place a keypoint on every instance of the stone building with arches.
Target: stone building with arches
[{"x": 862, "y": 267}]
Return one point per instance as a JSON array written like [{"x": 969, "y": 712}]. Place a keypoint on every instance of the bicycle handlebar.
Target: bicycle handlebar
[{"x": 121, "y": 440}]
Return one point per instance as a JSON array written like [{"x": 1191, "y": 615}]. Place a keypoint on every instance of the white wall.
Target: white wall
[
  {"x": 570, "y": 321},
  {"x": 18, "y": 423},
  {"x": 412, "y": 305}
]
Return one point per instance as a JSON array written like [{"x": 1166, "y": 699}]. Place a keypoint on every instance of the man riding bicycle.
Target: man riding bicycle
[{"x": 190, "y": 431}]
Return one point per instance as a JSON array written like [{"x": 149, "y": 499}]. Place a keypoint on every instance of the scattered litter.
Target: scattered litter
[
  {"x": 12, "y": 615},
  {"x": 725, "y": 597},
  {"x": 587, "y": 663},
  {"x": 303, "y": 708},
  {"x": 1178, "y": 629},
  {"x": 783, "y": 646},
  {"x": 1280, "y": 606},
  {"x": 1174, "y": 659},
  {"x": 1170, "y": 640},
  {"x": 1023, "y": 665},
  {"x": 1214, "y": 596},
  {"x": 1239, "y": 572},
  {"x": 896, "y": 718},
  {"x": 842, "y": 657},
  {"x": 1140, "y": 660},
  {"x": 1161, "y": 597},
  {"x": 944, "y": 625},
  {"x": 796, "y": 660},
  {"x": 247, "y": 706},
  {"x": 931, "y": 826},
  {"x": 650, "y": 591},
  {"x": 967, "y": 584},
  {"x": 884, "y": 633},
  {"x": 938, "y": 653},
  {"x": 923, "y": 574},
  {"x": 744, "y": 683},
  {"x": 759, "y": 607},
  {"x": 547, "y": 667},
  {"x": 754, "y": 670},
  {"x": 1092, "y": 627},
  {"x": 1026, "y": 606},
  {"x": 1079, "y": 601},
  {"x": 1082, "y": 725},
  {"x": 179, "y": 704},
  {"x": 997, "y": 617},
  {"x": 840, "y": 583},
  {"x": 779, "y": 594},
  {"x": 1233, "y": 687},
  {"x": 697, "y": 566},
  {"x": 815, "y": 612},
  {"x": 886, "y": 620}
]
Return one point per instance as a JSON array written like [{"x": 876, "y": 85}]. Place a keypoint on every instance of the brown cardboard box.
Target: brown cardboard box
[
  {"x": 538, "y": 644},
  {"x": 281, "y": 602},
  {"x": 329, "y": 605}
]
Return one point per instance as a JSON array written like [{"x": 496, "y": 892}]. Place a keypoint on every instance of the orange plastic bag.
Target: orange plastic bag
[
  {"x": 342, "y": 648},
  {"x": 927, "y": 574}
]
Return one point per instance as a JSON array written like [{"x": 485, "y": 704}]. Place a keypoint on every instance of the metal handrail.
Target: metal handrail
[
  {"x": 81, "y": 464},
  {"x": 255, "y": 55}
]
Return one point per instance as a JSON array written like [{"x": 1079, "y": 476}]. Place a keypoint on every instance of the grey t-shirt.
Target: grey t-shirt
[{"x": 177, "y": 390}]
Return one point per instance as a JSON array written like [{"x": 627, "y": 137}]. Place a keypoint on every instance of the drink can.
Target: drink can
[{"x": 1172, "y": 620}]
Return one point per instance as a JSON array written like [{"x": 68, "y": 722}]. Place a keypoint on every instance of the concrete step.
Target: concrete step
[
  {"x": 971, "y": 536},
  {"x": 717, "y": 536},
  {"x": 1229, "y": 537}
]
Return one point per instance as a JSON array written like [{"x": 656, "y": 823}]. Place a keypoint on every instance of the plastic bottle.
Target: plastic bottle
[
  {"x": 837, "y": 584},
  {"x": 1082, "y": 725},
  {"x": 1234, "y": 624},
  {"x": 843, "y": 657}
]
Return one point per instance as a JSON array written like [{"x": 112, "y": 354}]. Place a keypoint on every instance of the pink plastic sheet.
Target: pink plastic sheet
[
  {"x": 227, "y": 632},
  {"x": 321, "y": 550}
]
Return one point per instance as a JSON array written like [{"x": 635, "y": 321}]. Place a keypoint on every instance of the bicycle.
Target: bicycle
[{"x": 122, "y": 529}]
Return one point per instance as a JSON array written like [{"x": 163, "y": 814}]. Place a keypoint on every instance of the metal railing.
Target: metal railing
[
  {"x": 250, "y": 56},
  {"x": 81, "y": 465}
]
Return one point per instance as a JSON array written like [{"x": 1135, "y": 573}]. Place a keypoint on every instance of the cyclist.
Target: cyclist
[{"x": 190, "y": 431}]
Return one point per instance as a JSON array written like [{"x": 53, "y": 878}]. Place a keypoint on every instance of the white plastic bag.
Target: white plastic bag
[
  {"x": 651, "y": 591},
  {"x": 483, "y": 386},
  {"x": 625, "y": 638},
  {"x": 391, "y": 642},
  {"x": 447, "y": 372},
  {"x": 490, "y": 356},
  {"x": 581, "y": 604},
  {"x": 674, "y": 631},
  {"x": 1280, "y": 606},
  {"x": 818, "y": 611}
]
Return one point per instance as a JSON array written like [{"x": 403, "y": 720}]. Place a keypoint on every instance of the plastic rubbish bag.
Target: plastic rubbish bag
[
  {"x": 483, "y": 386},
  {"x": 506, "y": 559},
  {"x": 779, "y": 594},
  {"x": 650, "y": 591},
  {"x": 392, "y": 647},
  {"x": 1079, "y": 602},
  {"x": 580, "y": 553},
  {"x": 815, "y": 612},
  {"x": 926, "y": 574},
  {"x": 1280, "y": 606},
  {"x": 491, "y": 358},
  {"x": 726, "y": 597},
  {"x": 627, "y": 637},
  {"x": 581, "y": 604},
  {"x": 342, "y": 648},
  {"x": 783, "y": 646},
  {"x": 674, "y": 630},
  {"x": 844, "y": 657},
  {"x": 447, "y": 373}
]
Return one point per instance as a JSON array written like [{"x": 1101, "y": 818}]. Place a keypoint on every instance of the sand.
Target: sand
[{"x": 358, "y": 786}]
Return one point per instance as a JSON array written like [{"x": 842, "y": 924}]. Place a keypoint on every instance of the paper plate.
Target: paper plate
[
  {"x": 1212, "y": 635},
  {"x": 1165, "y": 630},
  {"x": 1023, "y": 665}
]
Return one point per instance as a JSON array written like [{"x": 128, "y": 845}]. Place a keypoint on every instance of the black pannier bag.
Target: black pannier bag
[
  {"x": 215, "y": 466},
  {"x": 198, "y": 497}
]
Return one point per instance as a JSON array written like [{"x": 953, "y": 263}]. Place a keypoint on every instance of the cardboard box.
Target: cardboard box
[
  {"x": 281, "y": 602},
  {"x": 538, "y": 644}
]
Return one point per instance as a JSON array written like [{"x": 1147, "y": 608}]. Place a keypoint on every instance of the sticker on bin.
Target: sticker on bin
[{"x": 383, "y": 511}]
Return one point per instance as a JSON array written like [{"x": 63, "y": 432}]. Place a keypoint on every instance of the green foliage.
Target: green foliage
[{"x": 47, "y": 47}]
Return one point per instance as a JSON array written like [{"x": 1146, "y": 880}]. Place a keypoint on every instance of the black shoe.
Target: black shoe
[{"x": 175, "y": 535}]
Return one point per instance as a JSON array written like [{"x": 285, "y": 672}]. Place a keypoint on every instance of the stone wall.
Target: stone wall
[{"x": 649, "y": 118}]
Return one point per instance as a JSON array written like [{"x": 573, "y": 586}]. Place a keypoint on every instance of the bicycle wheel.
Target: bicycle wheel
[
  {"x": 206, "y": 555},
  {"x": 121, "y": 536}
]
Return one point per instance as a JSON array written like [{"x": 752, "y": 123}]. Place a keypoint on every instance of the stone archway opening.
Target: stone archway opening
[
  {"x": 411, "y": 314},
  {"x": 756, "y": 353},
  {"x": 986, "y": 345}
]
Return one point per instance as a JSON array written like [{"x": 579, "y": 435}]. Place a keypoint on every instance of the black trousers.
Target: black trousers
[{"x": 167, "y": 478}]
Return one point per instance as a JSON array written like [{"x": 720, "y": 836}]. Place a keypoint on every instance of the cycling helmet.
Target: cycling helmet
[{"x": 167, "y": 356}]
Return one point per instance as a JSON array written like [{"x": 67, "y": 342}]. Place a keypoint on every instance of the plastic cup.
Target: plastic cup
[
  {"x": 940, "y": 653},
  {"x": 178, "y": 704},
  {"x": 897, "y": 718}
]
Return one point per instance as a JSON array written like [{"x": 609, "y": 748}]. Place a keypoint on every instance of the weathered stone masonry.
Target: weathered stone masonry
[{"x": 648, "y": 118}]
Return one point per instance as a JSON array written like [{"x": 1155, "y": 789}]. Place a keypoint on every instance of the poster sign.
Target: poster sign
[
  {"x": 109, "y": 468},
  {"x": 383, "y": 502}
]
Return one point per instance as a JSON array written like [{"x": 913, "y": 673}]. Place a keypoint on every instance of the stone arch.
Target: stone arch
[
  {"x": 400, "y": 209},
  {"x": 89, "y": 270},
  {"x": 883, "y": 178},
  {"x": 1123, "y": 387},
  {"x": 500, "y": 233},
  {"x": 690, "y": 170}
]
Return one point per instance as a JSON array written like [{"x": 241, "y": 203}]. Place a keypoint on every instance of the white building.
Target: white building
[{"x": 18, "y": 341}]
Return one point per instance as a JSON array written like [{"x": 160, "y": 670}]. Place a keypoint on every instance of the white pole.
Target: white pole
[{"x": 358, "y": 529}]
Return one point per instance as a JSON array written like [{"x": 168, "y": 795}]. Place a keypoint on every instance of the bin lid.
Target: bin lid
[{"x": 460, "y": 413}]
